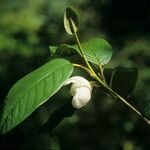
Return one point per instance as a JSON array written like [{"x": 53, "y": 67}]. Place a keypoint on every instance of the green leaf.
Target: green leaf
[
  {"x": 62, "y": 50},
  {"x": 122, "y": 80},
  {"x": 145, "y": 108},
  {"x": 71, "y": 20},
  {"x": 97, "y": 50},
  {"x": 52, "y": 50},
  {"x": 32, "y": 91},
  {"x": 67, "y": 110}
]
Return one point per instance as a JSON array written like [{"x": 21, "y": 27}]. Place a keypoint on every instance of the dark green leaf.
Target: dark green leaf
[
  {"x": 32, "y": 91},
  {"x": 71, "y": 20},
  {"x": 145, "y": 107},
  {"x": 122, "y": 80},
  {"x": 62, "y": 50},
  {"x": 57, "y": 116}
]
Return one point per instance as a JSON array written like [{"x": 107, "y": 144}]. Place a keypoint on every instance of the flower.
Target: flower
[{"x": 80, "y": 90}]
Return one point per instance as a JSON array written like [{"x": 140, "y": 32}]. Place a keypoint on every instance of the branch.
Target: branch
[
  {"x": 116, "y": 96},
  {"x": 84, "y": 68}
]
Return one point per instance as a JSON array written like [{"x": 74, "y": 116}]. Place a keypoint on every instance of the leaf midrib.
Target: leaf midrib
[{"x": 27, "y": 92}]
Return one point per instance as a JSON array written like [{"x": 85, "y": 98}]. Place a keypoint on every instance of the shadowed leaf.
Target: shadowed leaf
[{"x": 122, "y": 80}]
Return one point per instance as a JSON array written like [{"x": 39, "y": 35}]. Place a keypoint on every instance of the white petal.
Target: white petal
[
  {"x": 84, "y": 95},
  {"x": 80, "y": 90},
  {"x": 74, "y": 88},
  {"x": 78, "y": 81},
  {"x": 76, "y": 103}
]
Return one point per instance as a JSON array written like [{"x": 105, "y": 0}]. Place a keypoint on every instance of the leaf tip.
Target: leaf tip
[{"x": 71, "y": 20}]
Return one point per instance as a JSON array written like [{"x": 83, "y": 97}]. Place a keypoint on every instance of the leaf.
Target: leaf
[
  {"x": 32, "y": 91},
  {"x": 58, "y": 115},
  {"x": 71, "y": 20},
  {"x": 97, "y": 50},
  {"x": 146, "y": 108},
  {"x": 122, "y": 80},
  {"x": 52, "y": 50},
  {"x": 62, "y": 50}
]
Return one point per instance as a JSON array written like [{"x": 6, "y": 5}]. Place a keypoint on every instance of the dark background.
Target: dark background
[{"x": 28, "y": 27}]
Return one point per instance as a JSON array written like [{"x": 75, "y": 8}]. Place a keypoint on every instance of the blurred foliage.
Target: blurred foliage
[{"x": 28, "y": 27}]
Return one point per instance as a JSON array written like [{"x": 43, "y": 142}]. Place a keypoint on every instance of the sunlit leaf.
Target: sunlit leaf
[
  {"x": 32, "y": 91},
  {"x": 97, "y": 50}
]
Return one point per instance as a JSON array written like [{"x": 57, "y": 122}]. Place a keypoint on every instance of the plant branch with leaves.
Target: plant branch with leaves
[{"x": 37, "y": 87}]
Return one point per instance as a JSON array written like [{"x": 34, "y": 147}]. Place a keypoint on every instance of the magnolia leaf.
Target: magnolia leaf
[
  {"x": 52, "y": 50},
  {"x": 145, "y": 108},
  {"x": 67, "y": 110},
  {"x": 71, "y": 20},
  {"x": 97, "y": 50},
  {"x": 32, "y": 91},
  {"x": 62, "y": 50},
  {"x": 122, "y": 80}
]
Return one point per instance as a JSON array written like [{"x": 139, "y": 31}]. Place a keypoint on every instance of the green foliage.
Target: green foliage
[
  {"x": 20, "y": 22},
  {"x": 146, "y": 109},
  {"x": 122, "y": 80},
  {"x": 57, "y": 116},
  {"x": 52, "y": 50},
  {"x": 37, "y": 87},
  {"x": 28, "y": 27},
  {"x": 32, "y": 91},
  {"x": 97, "y": 50},
  {"x": 62, "y": 50},
  {"x": 71, "y": 20}
]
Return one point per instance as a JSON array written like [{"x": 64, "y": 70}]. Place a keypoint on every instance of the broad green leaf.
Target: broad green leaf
[
  {"x": 97, "y": 50},
  {"x": 32, "y": 91},
  {"x": 71, "y": 20},
  {"x": 122, "y": 80}
]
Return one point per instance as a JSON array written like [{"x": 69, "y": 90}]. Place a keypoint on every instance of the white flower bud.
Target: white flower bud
[{"x": 80, "y": 90}]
